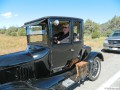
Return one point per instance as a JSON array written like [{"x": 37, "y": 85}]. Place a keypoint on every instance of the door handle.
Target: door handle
[{"x": 72, "y": 50}]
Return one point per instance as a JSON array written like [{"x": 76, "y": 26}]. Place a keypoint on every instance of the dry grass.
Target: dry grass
[
  {"x": 10, "y": 44},
  {"x": 95, "y": 44}
]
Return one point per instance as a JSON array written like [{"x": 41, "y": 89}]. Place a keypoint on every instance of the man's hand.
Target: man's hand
[
  {"x": 55, "y": 40},
  {"x": 58, "y": 42}
]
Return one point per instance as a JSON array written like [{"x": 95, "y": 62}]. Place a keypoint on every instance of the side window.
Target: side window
[
  {"x": 61, "y": 32},
  {"x": 76, "y": 31}
]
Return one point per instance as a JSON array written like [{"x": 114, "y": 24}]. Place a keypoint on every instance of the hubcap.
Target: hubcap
[{"x": 96, "y": 69}]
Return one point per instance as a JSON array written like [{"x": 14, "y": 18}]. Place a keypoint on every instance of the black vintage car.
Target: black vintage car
[{"x": 46, "y": 59}]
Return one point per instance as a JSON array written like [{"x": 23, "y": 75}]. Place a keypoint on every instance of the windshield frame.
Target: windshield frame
[{"x": 43, "y": 25}]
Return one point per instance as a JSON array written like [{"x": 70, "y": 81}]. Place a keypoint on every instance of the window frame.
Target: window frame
[
  {"x": 70, "y": 32},
  {"x": 42, "y": 27},
  {"x": 80, "y": 31}
]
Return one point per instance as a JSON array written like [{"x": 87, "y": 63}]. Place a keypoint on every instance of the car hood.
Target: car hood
[
  {"x": 114, "y": 38},
  {"x": 21, "y": 57}
]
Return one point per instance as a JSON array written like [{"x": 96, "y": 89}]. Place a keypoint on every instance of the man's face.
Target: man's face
[{"x": 65, "y": 29}]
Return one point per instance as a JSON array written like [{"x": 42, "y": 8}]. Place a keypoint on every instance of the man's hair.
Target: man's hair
[{"x": 66, "y": 25}]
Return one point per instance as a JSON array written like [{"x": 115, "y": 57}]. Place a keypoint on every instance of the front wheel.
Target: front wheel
[{"x": 95, "y": 70}]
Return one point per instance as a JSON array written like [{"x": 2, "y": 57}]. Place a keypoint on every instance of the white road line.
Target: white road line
[{"x": 107, "y": 84}]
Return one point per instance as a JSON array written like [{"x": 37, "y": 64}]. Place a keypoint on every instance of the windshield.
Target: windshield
[
  {"x": 37, "y": 34},
  {"x": 116, "y": 34}
]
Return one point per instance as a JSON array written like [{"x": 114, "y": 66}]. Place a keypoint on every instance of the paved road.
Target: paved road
[{"x": 109, "y": 78}]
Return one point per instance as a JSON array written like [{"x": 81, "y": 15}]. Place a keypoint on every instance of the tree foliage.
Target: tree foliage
[
  {"x": 3, "y": 30},
  {"x": 111, "y": 25},
  {"x": 92, "y": 28},
  {"x": 13, "y": 31},
  {"x": 95, "y": 29},
  {"x": 95, "y": 34},
  {"x": 21, "y": 32}
]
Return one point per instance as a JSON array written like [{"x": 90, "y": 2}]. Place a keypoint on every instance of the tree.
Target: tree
[
  {"x": 111, "y": 25},
  {"x": 21, "y": 32},
  {"x": 92, "y": 28},
  {"x": 3, "y": 30},
  {"x": 13, "y": 34},
  {"x": 88, "y": 25},
  {"x": 12, "y": 31},
  {"x": 95, "y": 34}
]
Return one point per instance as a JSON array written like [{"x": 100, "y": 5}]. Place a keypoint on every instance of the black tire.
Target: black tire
[{"x": 95, "y": 70}]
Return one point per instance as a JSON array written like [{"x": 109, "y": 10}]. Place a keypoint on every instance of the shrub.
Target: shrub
[
  {"x": 95, "y": 34},
  {"x": 8, "y": 32},
  {"x": 21, "y": 32},
  {"x": 2, "y": 31},
  {"x": 13, "y": 34},
  {"x": 13, "y": 29}
]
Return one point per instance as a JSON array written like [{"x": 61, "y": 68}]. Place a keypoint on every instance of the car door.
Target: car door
[{"x": 61, "y": 53}]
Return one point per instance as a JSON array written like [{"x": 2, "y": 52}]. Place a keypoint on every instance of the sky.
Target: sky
[{"x": 17, "y": 12}]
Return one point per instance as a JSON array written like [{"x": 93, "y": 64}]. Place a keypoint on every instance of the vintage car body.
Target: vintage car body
[
  {"x": 41, "y": 60},
  {"x": 112, "y": 43}
]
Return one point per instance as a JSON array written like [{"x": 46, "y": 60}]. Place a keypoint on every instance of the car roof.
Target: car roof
[{"x": 52, "y": 17}]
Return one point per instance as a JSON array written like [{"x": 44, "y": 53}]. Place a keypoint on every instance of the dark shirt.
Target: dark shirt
[{"x": 60, "y": 36}]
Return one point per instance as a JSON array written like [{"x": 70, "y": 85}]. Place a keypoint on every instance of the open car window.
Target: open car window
[
  {"x": 61, "y": 32},
  {"x": 76, "y": 31}
]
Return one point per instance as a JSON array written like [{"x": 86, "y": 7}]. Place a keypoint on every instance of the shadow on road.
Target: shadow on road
[{"x": 108, "y": 51}]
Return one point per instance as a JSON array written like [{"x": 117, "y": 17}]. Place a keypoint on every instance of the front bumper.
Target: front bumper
[{"x": 113, "y": 47}]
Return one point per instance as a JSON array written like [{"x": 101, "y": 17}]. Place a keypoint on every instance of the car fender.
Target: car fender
[{"x": 91, "y": 56}]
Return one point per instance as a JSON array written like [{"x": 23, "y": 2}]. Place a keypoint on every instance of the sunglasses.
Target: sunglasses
[{"x": 65, "y": 27}]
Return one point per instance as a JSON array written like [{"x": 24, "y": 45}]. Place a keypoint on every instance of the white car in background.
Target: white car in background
[{"x": 112, "y": 42}]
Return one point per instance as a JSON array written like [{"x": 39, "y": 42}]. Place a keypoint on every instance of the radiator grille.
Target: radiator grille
[
  {"x": 24, "y": 73},
  {"x": 114, "y": 41}
]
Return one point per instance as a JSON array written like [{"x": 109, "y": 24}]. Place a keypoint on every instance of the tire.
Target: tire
[{"x": 95, "y": 70}]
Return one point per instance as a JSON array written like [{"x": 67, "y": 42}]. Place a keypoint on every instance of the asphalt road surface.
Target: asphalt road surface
[{"x": 109, "y": 78}]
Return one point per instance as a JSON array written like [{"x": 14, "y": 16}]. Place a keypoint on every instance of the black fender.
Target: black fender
[
  {"x": 91, "y": 56},
  {"x": 84, "y": 52}
]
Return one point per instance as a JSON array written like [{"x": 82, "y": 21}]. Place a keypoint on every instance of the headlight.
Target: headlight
[{"x": 106, "y": 41}]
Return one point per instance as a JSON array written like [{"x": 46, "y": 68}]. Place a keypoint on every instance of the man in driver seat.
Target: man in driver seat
[{"x": 62, "y": 37}]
